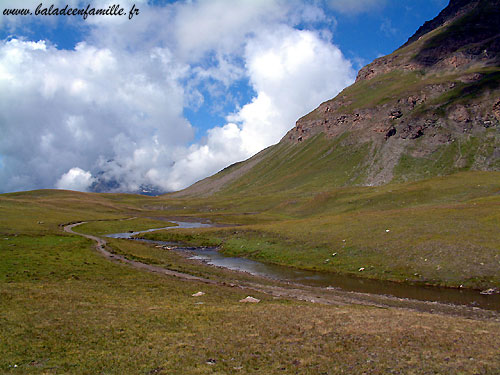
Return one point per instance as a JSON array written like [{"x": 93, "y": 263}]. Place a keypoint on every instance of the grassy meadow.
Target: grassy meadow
[
  {"x": 441, "y": 231},
  {"x": 65, "y": 309}
]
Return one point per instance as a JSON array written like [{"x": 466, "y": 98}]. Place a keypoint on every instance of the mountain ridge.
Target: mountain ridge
[{"x": 432, "y": 107}]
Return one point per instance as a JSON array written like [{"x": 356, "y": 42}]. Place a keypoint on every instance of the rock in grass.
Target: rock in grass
[
  {"x": 489, "y": 292},
  {"x": 199, "y": 294},
  {"x": 249, "y": 299}
]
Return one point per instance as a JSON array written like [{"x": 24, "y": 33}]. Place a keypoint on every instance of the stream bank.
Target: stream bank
[{"x": 324, "y": 280}]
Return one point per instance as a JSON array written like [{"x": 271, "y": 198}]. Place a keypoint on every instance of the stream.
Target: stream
[{"x": 327, "y": 280}]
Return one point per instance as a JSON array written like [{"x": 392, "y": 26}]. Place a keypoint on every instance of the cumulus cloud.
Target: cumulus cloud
[
  {"x": 292, "y": 71},
  {"x": 75, "y": 179},
  {"x": 352, "y": 7},
  {"x": 88, "y": 107},
  {"x": 109, "y": 114}
]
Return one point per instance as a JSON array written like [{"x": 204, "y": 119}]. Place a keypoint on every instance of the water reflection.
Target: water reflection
[{"x": 325, "y": 279}]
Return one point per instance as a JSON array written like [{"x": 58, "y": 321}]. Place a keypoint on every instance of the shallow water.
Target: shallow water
[
  {"x": 180, "y": 224},
  {"x": 213, "y": 257}
]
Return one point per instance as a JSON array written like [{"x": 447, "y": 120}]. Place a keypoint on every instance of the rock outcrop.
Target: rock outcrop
[
  {"x": 440, "y": 88},
  {"x": 430, "y": 108}
]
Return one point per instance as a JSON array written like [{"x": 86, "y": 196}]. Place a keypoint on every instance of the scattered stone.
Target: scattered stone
[
  {"x": 334, "y": 254},
  {"x": 387, "y": 230},
  {"x": 327, "y": 260},
  {"x": 198, "y": 294},
  {"x": 361, "y": 269},
  {"x": 157, "y": 370},
  {"x": 390, "y": 133},
  {"x": 395, "y": 114},
  {"x": 249, "y": 299},
  {"x": 211, "y": 361},
  {"x": 489, "y": 292}
]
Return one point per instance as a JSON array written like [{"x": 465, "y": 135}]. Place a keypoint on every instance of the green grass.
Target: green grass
[
  {"x": 442, "y": 231},
  {"x": 133, "y": 224},
  {"x": 175, "y": 261},
  {"x": 66, "y": 309},
  {"x": 381, "y": 89},
  {"x": 464, "y": 93},
  {"x": 319, "y": 162},
  {"x": 447, "y": 159},
  {"x": 459, "y": 245}
]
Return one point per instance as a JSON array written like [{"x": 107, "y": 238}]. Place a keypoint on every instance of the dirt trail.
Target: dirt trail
[
  {"x": 101, "y": 247},
  {"x": 302, "y": 292}
]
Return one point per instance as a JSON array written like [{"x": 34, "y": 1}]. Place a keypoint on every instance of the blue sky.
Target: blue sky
[{"x": 181, "y": 90}]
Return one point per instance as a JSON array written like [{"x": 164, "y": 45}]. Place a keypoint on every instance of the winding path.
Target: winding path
[
  {"x": 101, "y": 247},
  {"x": 302, "y": 292}
]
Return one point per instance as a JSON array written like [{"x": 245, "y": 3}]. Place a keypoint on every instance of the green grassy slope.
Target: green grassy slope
[
  {"x": 317, "y": 164},
  {"x": 411, "y": 147},
  {"x": 442, "y": 231},
  {"x": 65, "y": 309},
  {"x": 444, "y": 88}
]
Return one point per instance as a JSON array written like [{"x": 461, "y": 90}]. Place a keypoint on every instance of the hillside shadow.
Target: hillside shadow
[{"x": 475, "y": 34}]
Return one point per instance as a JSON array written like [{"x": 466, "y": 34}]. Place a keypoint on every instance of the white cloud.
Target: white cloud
[
  {"x": 352, "y": 7},
  {"x": 111, "y": 110},
  {"x": 75, "y": 179},
  {"x": 60, "y": 109},
  {"x": 387, "y": 28},
  {"x": 222, "y": 24},
  {"x": 292, "y": 72}
]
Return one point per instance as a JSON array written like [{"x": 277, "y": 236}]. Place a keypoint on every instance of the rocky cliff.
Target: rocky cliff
[
  {"x": 430, "y": 108},
  {"x": 437, "y": 92}
]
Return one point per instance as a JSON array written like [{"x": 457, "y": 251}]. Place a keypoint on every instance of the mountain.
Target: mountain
[{"x": 430, "y": 108}]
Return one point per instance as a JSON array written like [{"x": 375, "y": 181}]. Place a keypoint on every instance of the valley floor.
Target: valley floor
[{"x": 67, "y": 309}]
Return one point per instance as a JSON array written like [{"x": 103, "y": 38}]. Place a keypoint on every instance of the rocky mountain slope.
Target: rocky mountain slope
[{"x": 430, "y": 108}]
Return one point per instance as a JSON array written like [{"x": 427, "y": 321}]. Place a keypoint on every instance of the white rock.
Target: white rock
[
  {"x": 490, "y": 291},
  {"x": 361, "y": 269},
  {"x": 387, "y": 230},
  {"x": 199, "y": 294},
  {"x": 250, "y": 300}
]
